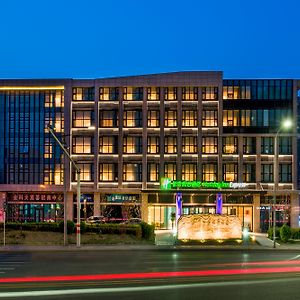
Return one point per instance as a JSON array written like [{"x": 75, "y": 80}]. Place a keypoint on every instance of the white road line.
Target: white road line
[{"x": 139, "y": 288}]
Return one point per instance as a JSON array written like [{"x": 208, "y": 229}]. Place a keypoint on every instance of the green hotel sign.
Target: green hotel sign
[{"x": 168, "y": 184}]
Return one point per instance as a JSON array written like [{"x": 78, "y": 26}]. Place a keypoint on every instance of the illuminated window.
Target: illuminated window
[
  {"x": 209, "y": 172},
  {"x": 132, "y": 172},
  {"x": 210, "y": 118},
  {"x": 153, "y": 118},
  {"x": 230, "y": 172},
  {"x": 109, "y": 94},
  {"x": 108, "y": 118},
  {"x": 132, "y": 118},
  {"x": 108, "y": 172},
  {"x": 189, "y": 93},
  {"x": 245, "y": 117},
  {"x": 285, "y": 145},
  {"x": 230, "y": 145},
  {"x": 209, "y": 145},
  {"x": 82, "y": 118},
  {"x": 238, "y": 89},
  {"x": 170, "y": 171},
  {"x": 153, "y": 93},
  {"x": 170, "y": 118},
  {"x": 153, "y": 172},
  {"x": 170, "y": 93},
  {"x": 189, "y": 172},
  {"x": 267, "y": 146},
  {"x": 83, "y": 94},
  {"x": 285, "y": 173},
  {"x": 267, "y": 173},
  {"x": 210, "y": 93},
  {"x": 82, "y": 145},
  {"x": 189, "y": 144},
  {"x": 132, "y": 145},
  {"x": 153, "y": 145},
  {"x": 249, "y": 145},
  {"x": 86, "y": 172},
  {"x": 108, "y": 144},
  {"x": 249, "y": 173},
  {"x": 231, "y": 118},
  {"x": 170, "y": 144},
  {"x": 133, "y": 93},
  {"x": 189, "y": 118}
]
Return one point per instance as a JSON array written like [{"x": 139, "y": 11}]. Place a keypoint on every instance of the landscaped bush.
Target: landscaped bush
[
  {"x": 147, "y": 231},
  {"x": 285, "y": 233},
  {"x": 295, "y": 233},
  {"x": 270, "y": 232},
  {"x": 70, "y": 226}
]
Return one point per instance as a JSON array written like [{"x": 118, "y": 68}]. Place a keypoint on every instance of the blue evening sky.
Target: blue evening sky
[{"x": 106, "y": 38}]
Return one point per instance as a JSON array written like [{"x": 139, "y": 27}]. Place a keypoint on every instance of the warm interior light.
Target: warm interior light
[{"x": 7, "y": 88}]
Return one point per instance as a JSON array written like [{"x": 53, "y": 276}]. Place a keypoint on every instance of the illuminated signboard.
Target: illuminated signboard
[{"x": 168, "y": 184}]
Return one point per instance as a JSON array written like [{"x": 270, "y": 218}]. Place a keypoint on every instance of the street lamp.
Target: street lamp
[{"x": 286, "y": 124}]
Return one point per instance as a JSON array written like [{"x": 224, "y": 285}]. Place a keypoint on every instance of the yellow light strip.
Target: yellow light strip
[{"x": 18, "y": 88}]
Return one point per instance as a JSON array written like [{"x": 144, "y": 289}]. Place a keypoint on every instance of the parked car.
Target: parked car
[
  {"x": 133, "y": 221},
  {"x": 96, "y": 220}
]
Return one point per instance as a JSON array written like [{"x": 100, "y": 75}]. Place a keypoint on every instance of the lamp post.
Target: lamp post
[
  {"x": 284, "y": 126},
  {"x": 78, "y": 189}
]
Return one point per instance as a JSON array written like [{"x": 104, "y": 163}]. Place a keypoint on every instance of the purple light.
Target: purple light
[{"x": 219, "y": 204}]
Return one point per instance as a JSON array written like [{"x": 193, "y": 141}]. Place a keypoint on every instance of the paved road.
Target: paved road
[{"x": 151, "y": 274}]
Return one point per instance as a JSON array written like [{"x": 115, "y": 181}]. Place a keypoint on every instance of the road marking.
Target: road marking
[{"x": 140, "y": 288}]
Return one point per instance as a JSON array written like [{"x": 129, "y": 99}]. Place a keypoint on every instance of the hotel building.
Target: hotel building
[{"x": 208, "y": 136}]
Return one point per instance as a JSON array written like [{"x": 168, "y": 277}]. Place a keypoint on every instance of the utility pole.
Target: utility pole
[{"x": 51, "y": 130}]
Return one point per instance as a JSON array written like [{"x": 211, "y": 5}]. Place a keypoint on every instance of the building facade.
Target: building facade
[{"x": 205, "y": 136}]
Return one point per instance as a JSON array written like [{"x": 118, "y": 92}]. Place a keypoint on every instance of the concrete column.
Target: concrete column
[
  {"x": 97, "y": 204},
  {"x": 144, "y": 207},
  {"x": 70, "y": 213},
  {"x": 294, "y": 210},
  {"x": 256, "y": 213}
]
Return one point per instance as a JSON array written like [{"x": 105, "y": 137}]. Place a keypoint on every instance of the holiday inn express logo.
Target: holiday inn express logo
[{"x": 168, "y": 184}]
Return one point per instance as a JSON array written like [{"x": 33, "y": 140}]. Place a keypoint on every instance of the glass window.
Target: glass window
[
  {"x": 108, "y": 144},
  {"x": 82, "y": 145},
  {"x": 153, "y": 172},
  {"x": 170, "y": 171},
  {"x": 132, "y": 118},
  {"x": 210, "y": 118},
  {"x": 108, "y": 118},
  {"x": 189, "y": 93},
  {"x": 245, "y": 117},
  {"x": 133, "y": 93},
  {"x": 109, "y": 94},
  {"x": 170, "y": 144},
  {"x": 285, "y": 173},
  {"x": 153, "y": 93},
  {"x": 249, "y": 145},
  {"x": 153, "y": 145},
  {"x": 209, "y": 93},
  {"x": 285, "y": 145},
  {"x": 267, "y": 173},
  {"x": 170, "y": 118},
  {"x": 108, "y": 172},
  {"x": 230, "y": 145},
  {"x": 249, "y": 173},
  {"x": 83, "y": 94},
  {"x": 267, "y": 146},
  {"x": 231, "y": 118},
  {"x": 209, "y": 145},
  {"x": 132, "y": 144},
  {"x": 153, "y": 118},
  {"x": 81, "y": 119},
  {"x": 209, "y": 172},
  {"x": 189, "y": 144},
  {"x": 170, "y": 93},
  {"x": 132, "y": 172},
  {"x": 86, "y": 172},
  {"x": 189, "y": 172},
  {"x": 189, "y": 118},
  {"x": 230, "y": 172}
]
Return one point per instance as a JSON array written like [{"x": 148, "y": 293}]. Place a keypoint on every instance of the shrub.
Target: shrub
[
  {"x": 70, "y": 226},
  {"x": 270, "y": 232},
  {"x": 147, "y": 231},
  {"x": 82, "y": 227},
  {"x": 295, "y": 233},
  {"x": 285, "y": 233}
]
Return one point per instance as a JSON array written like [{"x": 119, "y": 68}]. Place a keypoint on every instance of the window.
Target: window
[
  {"x": 237, "y": 89},
  {"x": 249, "y": 173},
  {"x": 230, "y": 145},
  {"x": 108, "y": 172},
  {"x": 189, "y": 118},
  {"x": 267, "y": 146},
  {"x": 108, "y": 118},
  {"x": 267, "y": 173},
  {"x": 230, "y": 118},
  {"x": 171, "y": 144},
  {"x": 170, "y": 171},
  {"x": 189, "y": 93},
  {"x": 83, "y": 94},
  {"x": 153, "y": 93},
  {"x": 189, "y": 172},
  {"x": 209, "y": 145},
  {"x": 153, "y": 118},
  {"x": 210, "y": 118},
  {"x": 209, "y": 93},
  {"x": 249, "y": 145},
  {"x": 285, "y": 173},
  {"x": 132, "y": 172},
  {"x": 170, "y": 118},
  {"x": 153, "y": 145},
  {"x": 189, "y": 144},
  {"x": 86, "y": 172},
  {"x": 153, "y": 172},
  {"x": 285, "y": 145},
  {"x": 245, "y": 117},
  {"x": 132, "y": 118},
  {"x": 170, "y": 93},
  {"x": 209, "y": 172},
  {"x": 132, "y": 145},
  {"x": 82, "y": 119},
  {"x": 108, "y": 144},
  {"x": 109, "y": 94},
  {"x": 82, "y": 145},
  {"x": 230, "y": 172},
  {"x": 133, "y": 93}
]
